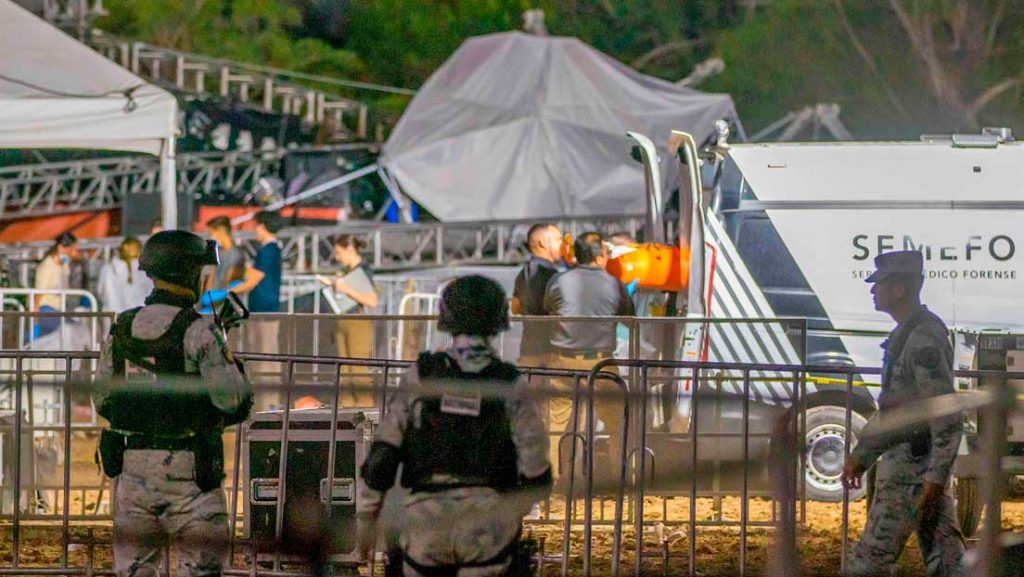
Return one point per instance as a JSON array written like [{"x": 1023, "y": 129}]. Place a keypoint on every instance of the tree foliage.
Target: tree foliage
[
  {"x": 897, "y": 68},
  {"x": 258, "y": 31}
]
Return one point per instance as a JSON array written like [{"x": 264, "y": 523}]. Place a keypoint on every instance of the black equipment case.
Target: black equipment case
[{"x": 310, "y": 526}]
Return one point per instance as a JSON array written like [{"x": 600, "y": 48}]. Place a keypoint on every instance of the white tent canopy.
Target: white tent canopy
[
  {"x": 520, "y": 126},
  {"x": 55, "y": 92}
]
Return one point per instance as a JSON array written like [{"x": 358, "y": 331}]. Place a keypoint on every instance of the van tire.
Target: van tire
[{"x": 823, "y": 463}]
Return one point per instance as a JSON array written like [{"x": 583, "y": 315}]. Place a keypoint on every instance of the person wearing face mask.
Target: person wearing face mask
[
  {"x": 355, "y": 337},
  {"x": 122, "y": 285},
  {"x": 169, "y": 385},
  {"x": 54, "y": 274}
]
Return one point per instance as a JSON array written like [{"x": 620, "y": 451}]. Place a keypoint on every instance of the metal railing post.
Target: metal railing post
[
  {"x": 588, "y": 473},
  {"x": 641, "y": 471},
  {"x": 623, "y": 473},
  {"x": 283, "y": 464},
  {"x": 692, "y": 537},
  {"x": 66, "y": 501},
  {"x": 16, "y": 511},
  {"x": 993, "y": 446},
  {"x": 844, "y": 559},
  {"x": 744, "y": 490}
]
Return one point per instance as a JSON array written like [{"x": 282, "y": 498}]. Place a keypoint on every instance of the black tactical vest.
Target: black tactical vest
[
  {"x": 143, "y": 402},
  {"x": 464, "y": 440}
]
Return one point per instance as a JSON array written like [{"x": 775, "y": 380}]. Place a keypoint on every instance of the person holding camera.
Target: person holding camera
[{"x": 168, "y": 385}]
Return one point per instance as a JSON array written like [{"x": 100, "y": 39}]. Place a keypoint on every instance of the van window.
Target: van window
[{"x": 764, "y": 252}]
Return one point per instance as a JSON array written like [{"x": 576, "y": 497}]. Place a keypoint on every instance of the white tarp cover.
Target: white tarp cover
[
  {"x": 520, "y": 126},
  {"x": 57, "y": 93}
]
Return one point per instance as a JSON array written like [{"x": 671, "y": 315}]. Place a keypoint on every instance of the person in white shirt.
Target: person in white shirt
[
  {"x": 122, "y": 285},
  {"x": 53, "y": 274}
]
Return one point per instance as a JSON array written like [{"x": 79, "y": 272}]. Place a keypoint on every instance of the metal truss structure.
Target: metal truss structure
[
  {"x": 273, "y": 90},
  {"x": 106, "y": 183},
  {"x": 53, "y": 188},
  {"x": 390, "y": 246},
  {"x": 406, "y": 246}
]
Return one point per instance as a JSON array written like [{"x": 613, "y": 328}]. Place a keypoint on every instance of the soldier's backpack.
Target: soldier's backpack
[{"x": 461, "y": 436}]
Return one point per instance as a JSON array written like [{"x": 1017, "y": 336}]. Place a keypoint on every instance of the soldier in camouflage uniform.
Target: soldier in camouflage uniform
[
  {"x": 914, "y": 466},
  {"x": 473, "y": 448},
  {"x": 164, "y": 447}
]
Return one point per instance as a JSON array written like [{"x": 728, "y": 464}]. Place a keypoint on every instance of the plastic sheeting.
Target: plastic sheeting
[{"x": 518, "y": 126}]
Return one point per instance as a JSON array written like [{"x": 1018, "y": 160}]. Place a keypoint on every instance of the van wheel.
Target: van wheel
[
  {"x": 826, "y": 434},
  {"x": 968, "y": 505}
]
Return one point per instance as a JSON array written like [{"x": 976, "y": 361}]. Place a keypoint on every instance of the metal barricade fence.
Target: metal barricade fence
[
  {"x": 782, "y": 462},
  {"x": 59, "y": 337},
  {"x": 20, "y": 487},
  {"x": 294, "y": 375},
  {"x": 323, "y": 375},
  {"x": 403, "y": 335}
]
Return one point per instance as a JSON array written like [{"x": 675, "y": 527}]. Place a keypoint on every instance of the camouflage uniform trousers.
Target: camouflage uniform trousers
[
  {"x": 893, "y": 516},
  {"x": 460, "y": 526},
  {"x": 156, "y": 499}
]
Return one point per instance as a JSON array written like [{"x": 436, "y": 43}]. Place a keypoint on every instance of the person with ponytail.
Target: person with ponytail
[{"x": 122, "y": 285}]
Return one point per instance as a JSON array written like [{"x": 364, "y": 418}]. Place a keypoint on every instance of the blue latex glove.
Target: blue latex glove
[
  {"x": 214, "y": 296},
  {"x": 210, "y": 298},
  {"x": 631, "y": 286}
]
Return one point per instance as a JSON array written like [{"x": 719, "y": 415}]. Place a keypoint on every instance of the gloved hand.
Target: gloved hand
[
  {"x": 366, "y": 535},
  {"x": 210, "y": 298},
  {"x": 631, "y": 286}
]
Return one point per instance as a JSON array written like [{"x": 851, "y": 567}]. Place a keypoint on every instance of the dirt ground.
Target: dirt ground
[
  {"x": 819, "y": 537},
  {"x": 819, "y": 541}
]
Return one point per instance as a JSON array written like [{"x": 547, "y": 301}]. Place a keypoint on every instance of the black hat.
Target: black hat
[
  {"x": 473, "y": 305},
  {"x": 177, "y": 256},
  {"x": 903, "y": 262}
]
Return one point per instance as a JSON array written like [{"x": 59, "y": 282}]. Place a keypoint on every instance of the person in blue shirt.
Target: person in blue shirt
[
  {"x": 263, "y": 277},
  {"x": 262, "y": 283}
]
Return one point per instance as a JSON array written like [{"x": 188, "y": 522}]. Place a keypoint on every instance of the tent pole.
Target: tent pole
[
  {"x": 168, "y": 186},
  {"x": 403, "y": 202}
]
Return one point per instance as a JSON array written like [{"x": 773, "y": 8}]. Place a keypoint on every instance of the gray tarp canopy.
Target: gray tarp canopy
[{"x": 520, "y": 126}]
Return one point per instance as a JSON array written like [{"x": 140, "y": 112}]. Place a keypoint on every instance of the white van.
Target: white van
[
  {"x": 792, "y": 231},
  {"x": 808, "y": 220}
]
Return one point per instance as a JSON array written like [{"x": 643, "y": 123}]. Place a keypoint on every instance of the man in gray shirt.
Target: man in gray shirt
[{"x": 585, "y": 291}]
